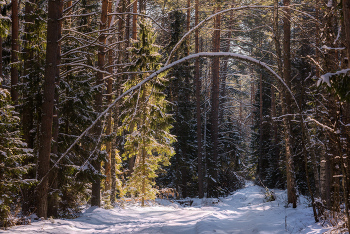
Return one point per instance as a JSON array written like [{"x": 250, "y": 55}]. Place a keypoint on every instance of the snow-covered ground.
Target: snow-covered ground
[{"x": 243, "y": 212}]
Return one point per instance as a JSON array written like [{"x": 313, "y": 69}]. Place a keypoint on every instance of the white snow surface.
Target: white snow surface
[{"x": 243, "y": 212}]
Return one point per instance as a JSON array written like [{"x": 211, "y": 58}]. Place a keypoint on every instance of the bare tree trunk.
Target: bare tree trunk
[
  {"x": 51, "y": 73},
  {"x": 27, "y": 112},
  {"x": 1, "y": 57},
  {"x": 317, "y": 10},
  {"x": 109, "y": 117},
  {"x": 134, "y": 36},
  {"x": 198, "y": 104},
  {"x": 275, "y": 132},
  {"x": 346, "y": 17},
  {"x": 96, "y": 185},
  {"x": 134, "y": 21},
  {"x": 188, "y": 25},
  {"x": 215, "y": 99},
  {"x": 225, "y": 67},
  {"x": 260, "y": 167},
  {"x": 286, "y": 108},
  {"x": 53, "y": 178},
  {"x": 252, "y": 98},
  {"x": 14, "y": 52}
]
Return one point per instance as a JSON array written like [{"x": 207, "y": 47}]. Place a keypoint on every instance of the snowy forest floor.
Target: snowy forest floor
[{"x": 245, "y": 211}]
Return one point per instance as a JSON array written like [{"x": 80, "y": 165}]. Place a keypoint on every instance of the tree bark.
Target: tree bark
[
  {"x": 14, "y": 52},
  {"x": 346, "y": 17},
  {"x": 198, "y": 106},
  {"x": 1, "y": 59},
  {"x": 109, "y": 117},
  {"x": 286, "y": 109},
  {"x": 317, "y": 10},
  {"x": 51, "y": 73},
  {"x": 96, "y": 185},
  {"x": 53, "y": 178},
  {"x": 260, "y": 167},
  {"x": 215, "y": 99},
  {"x": 134, "y": 21},
  {"x": 275, "y": 131}
]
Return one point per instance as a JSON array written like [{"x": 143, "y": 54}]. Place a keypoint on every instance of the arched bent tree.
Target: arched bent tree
[{"x": 165, "y": 68}]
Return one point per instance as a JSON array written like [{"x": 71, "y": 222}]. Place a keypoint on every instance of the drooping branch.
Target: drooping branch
[{"x": 165, "y": 68}]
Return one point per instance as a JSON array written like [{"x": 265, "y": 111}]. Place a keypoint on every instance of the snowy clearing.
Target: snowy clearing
[{"x": 243, "y": 212}]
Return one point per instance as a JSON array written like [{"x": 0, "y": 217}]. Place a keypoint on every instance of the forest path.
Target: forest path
[{"x": 243, "y": 212}]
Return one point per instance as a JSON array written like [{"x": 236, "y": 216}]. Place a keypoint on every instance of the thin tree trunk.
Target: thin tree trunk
[
  {"x": 14, "y": 52},
  {"x": 317, "y": 46},
  {"x": 51, "y": 73},
  {"x": 215, "y": 100},
  {"x": 96, "y": 185},
  {"x": 274, "y": 124},
  {"x": 27, "y": 112},
  {"x": 109, "y": 117},
  {"x": 198, "y": 105},
  {"x": 53, "y": 178},
  {"x": 134, "y": 21},
  {"x": 346, "y": 17},
  {"x": 1, "y": 58},
  {"x": 134, "y": 36},
  {"x": 286, "y": 108},
  {"x": 304, "y": 133},
  {"x": 260, "y": 130},
  {"x": 188, "y": 25}
]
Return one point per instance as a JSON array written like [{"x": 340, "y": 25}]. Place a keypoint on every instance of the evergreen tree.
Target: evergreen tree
[
  {"x": 13, "y": 151},
  {"x": 145, "y": 118}
]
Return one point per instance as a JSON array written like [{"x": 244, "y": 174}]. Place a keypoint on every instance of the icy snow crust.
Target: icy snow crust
[{"x": 243, "y": 212}]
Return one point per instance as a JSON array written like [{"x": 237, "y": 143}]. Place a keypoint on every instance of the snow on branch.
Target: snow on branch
[
  {"x": 325, "y": 78},
  {"x": 143, "y": 15},
  {"x": 163, "y": 69},
  {"x": 322, "y": 125}
]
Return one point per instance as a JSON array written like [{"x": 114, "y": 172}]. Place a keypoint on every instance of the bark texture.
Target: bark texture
[
  {"x": 96, "y": 185},
  {"x": 51, "y": 73}
]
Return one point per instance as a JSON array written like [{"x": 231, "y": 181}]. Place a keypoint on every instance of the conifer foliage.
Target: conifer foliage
[
  {"x": 12, "y": 153},
  {"x": 145, "y": 117}
]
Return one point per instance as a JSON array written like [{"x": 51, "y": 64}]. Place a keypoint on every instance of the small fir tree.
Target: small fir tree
[{"x": 145, "y": 118}]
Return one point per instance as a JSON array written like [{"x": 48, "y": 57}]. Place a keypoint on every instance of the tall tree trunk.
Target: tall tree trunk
[
  {"x": 134, "y": 36},
  {"x": 53, "y": 178},
  {"x": 51, "y": 73},
  {"x": 14, "y": 52},
  {"x": 317, "y": 46},
  {"x": 274, "y": 124},
  {"x": 1, "y": 58},
  {"x": 109, "y": 101},
  {"x": 260, "y": 167},
  {"x": 346, "y": 17},
  {"x": 96, "y": 185},
  {"x": 215, "y": 99},
  {"x": 134, "y": 21},
  {"x": 198, "y": 106},
  {"x": 286, "y": 108},
  {"x": 27, "y": 112},
  {"x": 188, "y": 25}
]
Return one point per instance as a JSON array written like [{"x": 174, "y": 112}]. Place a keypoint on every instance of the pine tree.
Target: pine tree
[
  {"x": 12, "y": 153},
  {"x": 145, "y": 118}
]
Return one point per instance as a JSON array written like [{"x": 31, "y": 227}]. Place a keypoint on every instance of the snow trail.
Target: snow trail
[{"x": 243, "y": 212}]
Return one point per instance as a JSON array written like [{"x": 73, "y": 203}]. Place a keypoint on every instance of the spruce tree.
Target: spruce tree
[
  {"x": 145, "y": 118},
  {"x": 13, "y": 152}
]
